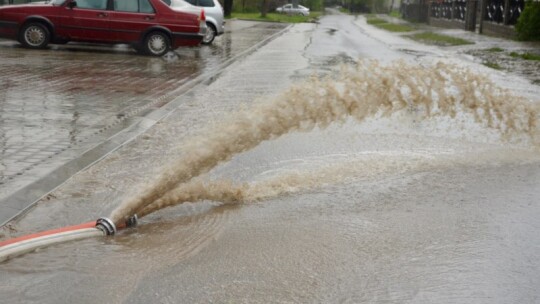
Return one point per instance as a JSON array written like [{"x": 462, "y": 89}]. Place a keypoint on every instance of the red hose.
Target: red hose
[{"x": 48, "y": 232}]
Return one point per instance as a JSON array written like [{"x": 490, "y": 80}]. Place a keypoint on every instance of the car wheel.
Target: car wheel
[
  {"x": 35, "y": 35},
  {"x": 210, "y": 34},
  {"x": 156, "y": 44}
]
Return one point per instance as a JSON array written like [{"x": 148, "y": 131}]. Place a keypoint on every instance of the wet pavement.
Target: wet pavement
[
  {"x": 59, "y": 105},
  {"x": 438, "y": 211}
]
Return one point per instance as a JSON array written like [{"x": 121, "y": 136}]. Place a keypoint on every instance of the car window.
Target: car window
[
  {"x": 288, "y": 6},
  {"x": 133, "y": 6},
  {"x": 168, "y": 2},
  {"x": 206, "y": 3},
  {"x": 92, "y": 4},
  {"x": 192, "y": 2},
  {"x": 145, "y": 7},
  {"x": 126, "y": 5}
]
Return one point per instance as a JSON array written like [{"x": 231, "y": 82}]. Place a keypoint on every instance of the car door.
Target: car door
[
  {"x": 130, "y": 18},
  {"x": 88, "y": 20},
  {"x": 295, "y": 10},
  {"x": 287, "y": 8}
]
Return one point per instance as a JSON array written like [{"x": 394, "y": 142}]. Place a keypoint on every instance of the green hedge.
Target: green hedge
[{"x": 528, "y": 25}]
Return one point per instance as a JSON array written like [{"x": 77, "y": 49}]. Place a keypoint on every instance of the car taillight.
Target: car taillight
[
  {"x": 203, "y": 16},
  {"x": 202, "y": 24}
]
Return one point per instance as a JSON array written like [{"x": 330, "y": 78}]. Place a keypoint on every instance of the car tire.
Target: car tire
[
  {"x": 156, "y": 44},
  {"x": 34, "y": 35},
  {"x": 211, "y": 33},
  {"x": 138, "y": 48}
]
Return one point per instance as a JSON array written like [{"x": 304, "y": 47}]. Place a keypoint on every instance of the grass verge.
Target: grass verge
[
  {"x": 492, "y": 65},
  {"x": 395, "y": 14},
  {"x": 495, "y": 50},
  {"x": 393, "y": 27},
  {"x": 375, "y": 21},
  {"x": 438, "y": 39},
  {"x": 275, "y": 17},
  {"x": 526, "y": 56}
]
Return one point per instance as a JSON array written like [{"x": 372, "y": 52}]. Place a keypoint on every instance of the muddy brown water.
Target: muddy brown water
[{"x": 361, "y": 92}]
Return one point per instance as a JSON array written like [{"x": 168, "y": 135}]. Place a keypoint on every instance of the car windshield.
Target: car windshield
[{"x": 57, "y": 2}]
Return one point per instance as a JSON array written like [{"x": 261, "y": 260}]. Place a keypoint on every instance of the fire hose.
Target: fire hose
[{"x": 18, "y": 246}]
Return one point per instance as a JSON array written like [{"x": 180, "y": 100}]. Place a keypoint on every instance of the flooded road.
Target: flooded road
[{"x": 405, "y": 207}]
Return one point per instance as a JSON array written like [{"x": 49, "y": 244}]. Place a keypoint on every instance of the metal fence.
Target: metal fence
[
  {"x": 415, "y": 12},
  {"x": 442, "y": 9},
  {"x": 449, "y": 9},
  {"x": 460, "y": 10},
  {"x": 504, "y": 12}
]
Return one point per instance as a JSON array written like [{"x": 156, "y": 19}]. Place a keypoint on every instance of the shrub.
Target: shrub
[{"x": 528, "y": 25}]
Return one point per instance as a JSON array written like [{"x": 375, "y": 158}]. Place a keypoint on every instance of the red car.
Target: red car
[{"x": 150, "y": 26}]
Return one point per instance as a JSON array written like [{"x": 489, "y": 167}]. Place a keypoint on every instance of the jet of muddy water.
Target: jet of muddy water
[{"x": 365, "y": 90}]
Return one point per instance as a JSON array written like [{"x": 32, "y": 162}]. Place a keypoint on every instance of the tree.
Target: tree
[
  {"x": 264, "y": 8},
  {"x": 528, "y": 25},
  {"x": 227, "y": 7}
]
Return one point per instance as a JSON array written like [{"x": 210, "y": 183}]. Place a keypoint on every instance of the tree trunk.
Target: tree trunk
[
  {"x": 264, "y": 8},
  {"x": 227, "y": 7}
]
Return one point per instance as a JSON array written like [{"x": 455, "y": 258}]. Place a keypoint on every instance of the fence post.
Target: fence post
[
  {"x": 483, "y": 8},
  {"x": 428, "y": 17},
  {"x": 470, "y": 15},
  {"x": 506, "y": 12}
]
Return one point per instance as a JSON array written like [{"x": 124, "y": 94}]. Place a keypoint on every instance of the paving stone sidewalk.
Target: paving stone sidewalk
[{"x": 58, "y": 104}]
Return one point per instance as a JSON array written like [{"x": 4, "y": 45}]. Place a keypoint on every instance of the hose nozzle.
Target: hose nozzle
[
  {"x": 132, "y": 221},
  {"x": 106, "y": 225}
]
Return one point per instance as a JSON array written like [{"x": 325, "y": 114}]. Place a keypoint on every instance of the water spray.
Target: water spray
[
  {"x": 361, "y": 92},
  {"x": 102, "y": 227},
  {"x": 367, "y": 90}
]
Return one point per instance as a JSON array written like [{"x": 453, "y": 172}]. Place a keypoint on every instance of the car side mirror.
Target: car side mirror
[{"x": 72, "y": 4}]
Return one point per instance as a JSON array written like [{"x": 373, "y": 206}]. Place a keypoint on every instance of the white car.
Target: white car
[
  {"x": 213, "y": 12},
  {"x": 289, "y": 9}
]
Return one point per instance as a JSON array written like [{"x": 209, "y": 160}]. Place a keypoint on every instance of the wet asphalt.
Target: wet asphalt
[{"x": 462, "y": 229}]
